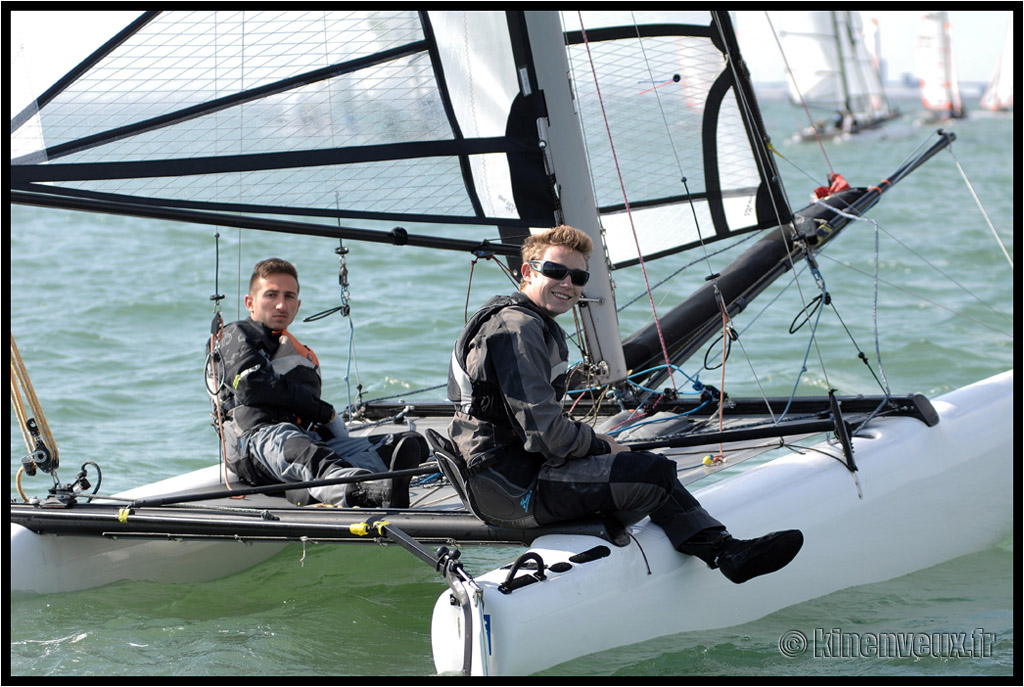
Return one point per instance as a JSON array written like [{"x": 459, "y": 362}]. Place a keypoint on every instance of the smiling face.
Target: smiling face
[
  {"x": 554, "y": 296},
  {"x": 274, "y": 300}
]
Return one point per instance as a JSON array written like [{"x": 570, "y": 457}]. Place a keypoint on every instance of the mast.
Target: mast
[
  {"x": 837, "y": 35},
  {"x": 566, "y": 156}
]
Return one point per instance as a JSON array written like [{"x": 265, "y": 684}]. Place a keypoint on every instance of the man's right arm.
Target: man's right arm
[{"x": 254, "y": 382}]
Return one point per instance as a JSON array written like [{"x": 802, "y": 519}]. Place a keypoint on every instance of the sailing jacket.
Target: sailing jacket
[
  {"x": 268, "y": 378},
  {"x": 508, "y": 374}
]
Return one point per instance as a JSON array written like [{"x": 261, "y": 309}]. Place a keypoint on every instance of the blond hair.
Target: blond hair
[{"x": 563, "y": 235}]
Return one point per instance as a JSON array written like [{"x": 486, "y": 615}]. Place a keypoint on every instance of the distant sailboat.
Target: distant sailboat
[
  {"x": 936, "y": 70},
  {"x": 998, "y": 96},
  {"x": 832, "y": 71}
]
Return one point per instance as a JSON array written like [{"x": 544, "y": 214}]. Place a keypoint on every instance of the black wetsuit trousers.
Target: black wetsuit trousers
[{"x": 627, "y": 486}]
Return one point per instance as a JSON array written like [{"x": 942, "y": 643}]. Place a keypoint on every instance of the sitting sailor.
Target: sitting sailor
[
  {"x": 274, "y": 425},
  {"x": 530, "y": 465}
]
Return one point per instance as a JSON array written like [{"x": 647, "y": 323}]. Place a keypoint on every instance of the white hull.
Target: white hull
[
  {"x": 55, "y": 563},
  {"x": 923, "y": 495}
]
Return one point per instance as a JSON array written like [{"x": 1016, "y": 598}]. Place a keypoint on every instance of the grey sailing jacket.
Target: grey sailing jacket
[{"x": 507, "y": 377}]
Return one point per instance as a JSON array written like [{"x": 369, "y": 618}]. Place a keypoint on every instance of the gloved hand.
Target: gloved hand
[
  {"x": 325, "y": 413},
  {"x": 337, "y": 427}
]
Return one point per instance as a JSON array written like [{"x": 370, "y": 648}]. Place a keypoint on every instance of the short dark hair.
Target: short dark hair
[{"x": 265, "y": 268}]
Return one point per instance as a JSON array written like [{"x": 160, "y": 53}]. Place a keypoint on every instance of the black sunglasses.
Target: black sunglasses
[{"x": 552, "y": 270}]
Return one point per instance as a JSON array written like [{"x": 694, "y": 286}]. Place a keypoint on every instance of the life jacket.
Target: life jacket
[
  {"x": 478, "y": 398},
  {"x": 292, "y": 354},
  {"x": 233, "y": 420}
]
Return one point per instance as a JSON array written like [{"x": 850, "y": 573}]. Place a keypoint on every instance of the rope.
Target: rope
[
  {"x": 213, "y": 356},
  {"x": 810, "y": 343},
  {"x": 725, "y": 355},
  {"x": 211, "y": 360}
]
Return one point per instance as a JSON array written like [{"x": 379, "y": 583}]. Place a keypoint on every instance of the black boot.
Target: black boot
[
  {"x": 369, "y": 494},
  {"x": 388, "y": 493},
  {"x": 406, "y": 455},
  {"x": 741, "y": 559},
  {"x": 393, "y": 492}
]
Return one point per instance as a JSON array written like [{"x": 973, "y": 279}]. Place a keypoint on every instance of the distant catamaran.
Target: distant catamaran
[
  {"x": 833, "y": 74},
  {"x": 998, "y": 96},
  {"x": 936, "y": 69}
]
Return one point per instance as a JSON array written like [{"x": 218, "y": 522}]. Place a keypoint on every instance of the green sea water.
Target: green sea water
[{"x": 111, "y": 313}]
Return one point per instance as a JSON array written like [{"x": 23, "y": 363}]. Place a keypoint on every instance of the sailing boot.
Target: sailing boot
[
  {"x": 407, "y": 454},
  {"x": 388, "y": 493},
  {"x": 367, "y": 494},
  {"x": 741, "y": 559}
]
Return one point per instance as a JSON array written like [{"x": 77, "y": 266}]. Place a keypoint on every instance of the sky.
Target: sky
[{"x": 977, "y": 41}]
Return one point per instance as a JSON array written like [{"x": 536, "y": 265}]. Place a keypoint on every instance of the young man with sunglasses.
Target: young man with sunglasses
[{"x": 529, "y": 465}]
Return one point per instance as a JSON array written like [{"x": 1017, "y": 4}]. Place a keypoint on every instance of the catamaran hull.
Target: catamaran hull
[
  {"x": 922, "y": 495},
  {"x": 53, "y": 563},
  {"x": 49, "y": 563}
]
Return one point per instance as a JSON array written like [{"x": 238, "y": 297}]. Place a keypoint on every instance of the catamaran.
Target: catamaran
[
  {"x": 833, "y": 76},
  {"x": 998, "y": 95},
  {"x": 936, "y": 69},
  {"x": 496, "y": 124}
]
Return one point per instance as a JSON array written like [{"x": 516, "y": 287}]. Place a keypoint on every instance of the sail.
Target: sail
[
  {"x": 936, "y": 69},
  {"x": 302, "y": 121},
  {"x": 677, "y": 150},
  {"x": 998, "y": 94},
  {"x": 830, "y": 65},
  {"x": 313, "y": 115},
  {"x": 398, "y": 116}
]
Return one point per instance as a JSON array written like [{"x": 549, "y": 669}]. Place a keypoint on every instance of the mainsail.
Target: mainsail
[{"x": 304, "y": 121}]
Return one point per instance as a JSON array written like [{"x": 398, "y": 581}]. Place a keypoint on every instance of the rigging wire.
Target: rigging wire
[
  {"x": 213, "y": 374},
  {"x": 981, "y": 207},
  {"x": 765, "y": 164},
  {"x": 625, "y": 196},
  {"x": 824, "y": 296}
]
